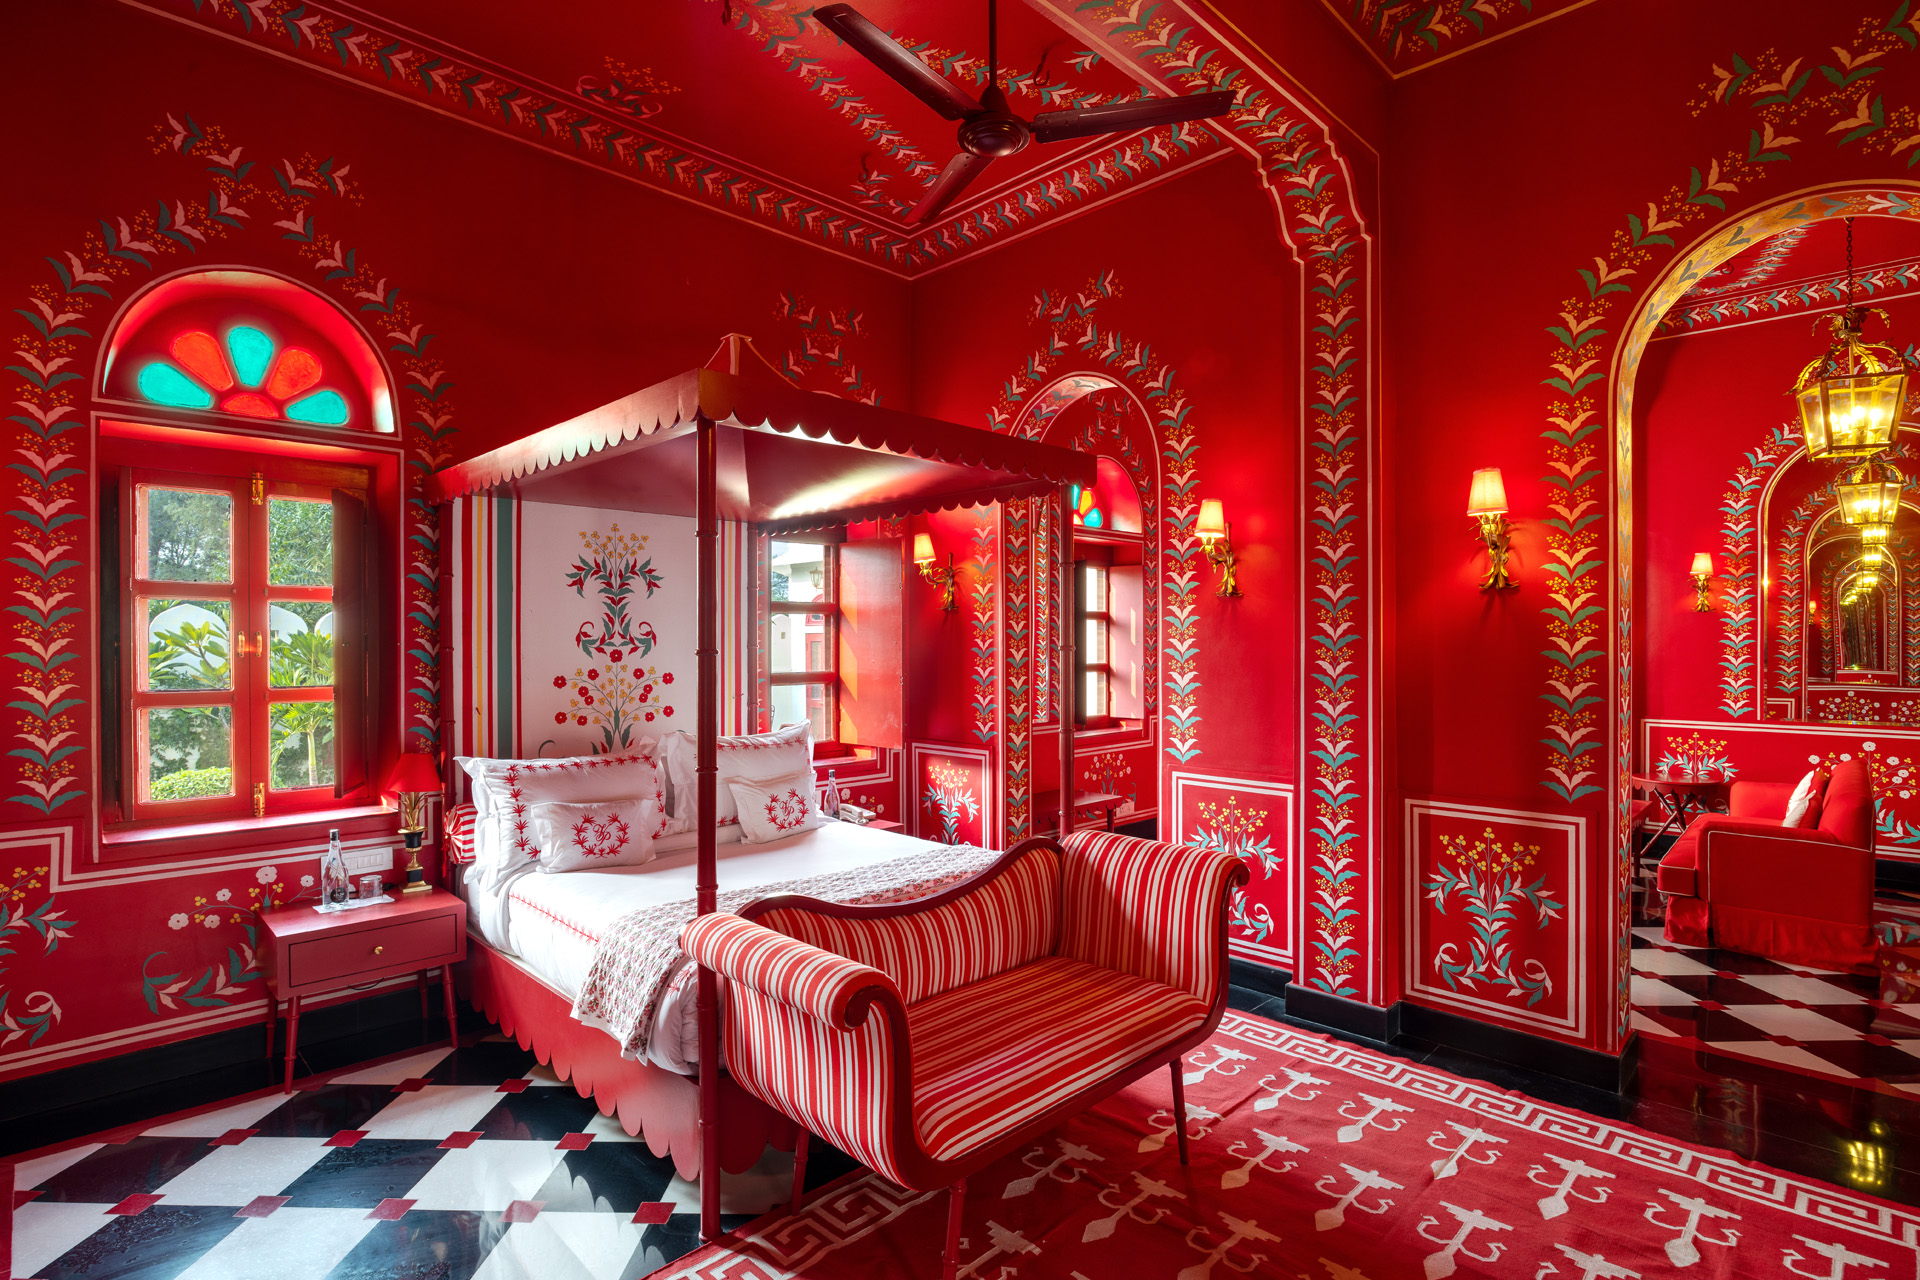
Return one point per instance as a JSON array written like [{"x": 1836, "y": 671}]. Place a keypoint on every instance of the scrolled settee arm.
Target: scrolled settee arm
[{"x": 831, "y": 988}]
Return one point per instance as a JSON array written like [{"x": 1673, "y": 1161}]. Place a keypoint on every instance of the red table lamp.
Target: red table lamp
[{"x": 415, "y": 776}]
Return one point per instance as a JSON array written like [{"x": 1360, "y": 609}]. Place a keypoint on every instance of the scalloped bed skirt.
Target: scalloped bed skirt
[{"x": 652, "y": 1103}]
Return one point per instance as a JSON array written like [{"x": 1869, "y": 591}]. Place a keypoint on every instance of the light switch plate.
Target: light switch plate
[{"x": 360, "y": 860}]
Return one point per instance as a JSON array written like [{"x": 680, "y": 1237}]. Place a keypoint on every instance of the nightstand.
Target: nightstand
[
  {"x": 884, "y": 824},
  {"x": 308, "y": 952}
]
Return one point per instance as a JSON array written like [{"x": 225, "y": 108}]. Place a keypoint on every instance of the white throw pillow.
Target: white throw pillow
[
  {"x": 1802, "y": 799},
  {"x": 514, "y": 786},
  {"x": 775, "y": 808},
  {"x": 779, "y": 754},
  {"x": 589, "y": 837}
]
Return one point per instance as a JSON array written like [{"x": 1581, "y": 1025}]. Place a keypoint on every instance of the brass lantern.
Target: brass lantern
[
  {"x": 1851, "y": 398},
  {"x": 1870, "y": 493},
  {"x": 1873, "y": 557},
  {"x": 1875, "y": 535}
]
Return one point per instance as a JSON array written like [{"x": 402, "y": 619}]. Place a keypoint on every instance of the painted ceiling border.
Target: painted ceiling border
[
  {"x": 1397, "y": 69},
  {"x": 555, "y": 122}
]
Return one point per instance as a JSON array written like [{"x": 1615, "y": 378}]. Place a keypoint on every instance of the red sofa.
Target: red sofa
[{"x": 1801, "y": 895}]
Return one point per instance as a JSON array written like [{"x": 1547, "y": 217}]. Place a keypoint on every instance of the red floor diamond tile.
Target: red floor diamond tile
[
  {"x": 136, "y": 1204},
  {"x": 574, "y": 1142},
  {"x": 515, "y": 1086},
  {"x": 345, "y": 1138},
  {"x": 462, "y": 1140},
  {"x": 232, "y": 1137},
  {"x": 21, "y": 1197},
  {"x": 390, "y": 1210},
  {"x": 1785, "y": 1041},
  {"x": 1874, "y": 1037},
  {"x": 654, "y": 1212},
  {"x": 1713, "y": 1005},
  {"x": 523, "y": 1211},
  {"x": 261, "y": 1206},
  {"x": 412, "y": 1084}
]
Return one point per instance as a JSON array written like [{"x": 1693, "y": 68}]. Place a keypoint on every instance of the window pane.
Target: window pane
[
  {"x": 797, "y": 571},
  {"x": 186, "y": 535},
  {"x": 1095, "y": 694},
  {"x": 300, "y": 744},
  {"x": 300, "y": 651},
  {"x": 1093, "y": 640},
  {"x": 299, "y": 543},
  {"x": 186, "y": 643},
  {"x": 793, "y": 703},
  {"x": 1093, "y": 588},
  {"x": 797, "y": 642},
  {"x": 188, "y": 750}
]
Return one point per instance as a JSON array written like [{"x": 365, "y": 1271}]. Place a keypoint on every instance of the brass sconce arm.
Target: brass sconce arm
[
  {"x": 942, "y": 577},
  {"x": 1494, "y": 531},
  {"x": 1220, "y": 555}
]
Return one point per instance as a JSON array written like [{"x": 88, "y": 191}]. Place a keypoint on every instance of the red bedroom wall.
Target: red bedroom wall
[
  {"x": 1515, "y": 168},
  {"x": 1204, "y": 281},
  {"x": 548, "y": 288}
]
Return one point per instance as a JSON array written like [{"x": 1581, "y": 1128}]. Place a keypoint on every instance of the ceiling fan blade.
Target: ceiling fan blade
[
  {"x": 960, "y": 171},
  {"x": 888, "y": 54},
  {"x": 1124, "y": 117}
]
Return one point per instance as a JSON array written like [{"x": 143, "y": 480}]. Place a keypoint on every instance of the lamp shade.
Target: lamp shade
[
  {"x": 1489, "y": 494},
  {"x": 414, "y": 772},
  {"x": 1212, "y": 523},
  {"x": 1702, "y": 565},
  {"x": 923, "y": 548}
]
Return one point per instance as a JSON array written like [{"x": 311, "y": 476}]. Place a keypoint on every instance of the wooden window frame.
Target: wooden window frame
[
  {"x": 828, "y": 677},
  {"x": 254, "y": 479},
  {"x": 1093, "y": 557}
]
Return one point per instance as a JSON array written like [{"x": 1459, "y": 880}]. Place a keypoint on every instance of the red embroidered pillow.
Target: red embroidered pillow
[
  {"x": 783, "y": 752},
  {"x": 589, "y": 837},
  {"x": 517, "y": 785},
  {"x": 776, "y": 808}
]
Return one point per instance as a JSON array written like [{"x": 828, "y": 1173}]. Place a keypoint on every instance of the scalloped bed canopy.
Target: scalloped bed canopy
[{"x": 787, "y": 460}]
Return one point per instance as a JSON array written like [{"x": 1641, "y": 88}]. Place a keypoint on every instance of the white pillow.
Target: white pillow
[
  {"x": 1801, "y": 800},
  {"x": 516, "y": 785},
  {"x": 775, "y": 808},
  {"x": 779, "y": 754},
  {"x": 588, "y": 837}
]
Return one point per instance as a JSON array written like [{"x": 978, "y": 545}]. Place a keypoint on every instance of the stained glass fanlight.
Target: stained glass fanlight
[
  {"x": 1851, "y": 398},
  {"x": 248, "y": 373},
  {"x": 1084, "y": 511}
]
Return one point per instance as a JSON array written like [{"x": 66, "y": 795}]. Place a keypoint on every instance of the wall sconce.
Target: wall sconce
[
  {"x": 923, "y": 560},
  {"x": 1487, "y": 503},
  {"x": 1213, "y": 531},
  {"x": 1702, "y": 576}
]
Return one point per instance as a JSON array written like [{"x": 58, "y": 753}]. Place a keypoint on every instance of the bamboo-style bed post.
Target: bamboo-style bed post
[
  {"x": 1064, "y": 506},
  {"x": 706, "y": 534}
]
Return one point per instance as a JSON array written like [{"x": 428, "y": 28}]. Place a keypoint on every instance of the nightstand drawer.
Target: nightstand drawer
[{"x": 405, "y": 944}]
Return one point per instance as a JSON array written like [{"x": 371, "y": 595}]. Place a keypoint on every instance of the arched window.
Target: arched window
[{"x": 235, "y": 553}]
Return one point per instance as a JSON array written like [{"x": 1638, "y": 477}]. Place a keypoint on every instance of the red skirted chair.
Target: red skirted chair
[
  {"x": 1802, "y": 895},
  {"x": 929, "y": 1038}
]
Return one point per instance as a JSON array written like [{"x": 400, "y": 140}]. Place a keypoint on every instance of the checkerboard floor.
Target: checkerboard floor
[
  {"x": 1860, "y": 1029},
  {"x": 469, "y": 1164}
]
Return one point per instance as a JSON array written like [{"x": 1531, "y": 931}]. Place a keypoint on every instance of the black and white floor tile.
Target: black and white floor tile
[{"x": 471, "y": 1164}]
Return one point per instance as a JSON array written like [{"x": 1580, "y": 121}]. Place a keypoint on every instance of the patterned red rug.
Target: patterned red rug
[{"x": 1317, "y": 1160}]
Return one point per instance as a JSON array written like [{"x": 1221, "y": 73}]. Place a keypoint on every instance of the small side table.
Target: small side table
[
  {"x": 1046, "y": 806},
  {"x": 1680, "y": 798},
  {"x": 309, "y": 952},
  {"x": 884, "y": 824}
]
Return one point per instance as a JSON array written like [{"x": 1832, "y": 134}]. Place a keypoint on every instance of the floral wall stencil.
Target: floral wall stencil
[
  {"x": 1254, "y": 820},
  {"x": 41, "y": 927},
  {"x": 1496, "y": 930},
  {"x": 950, "y": 788}
]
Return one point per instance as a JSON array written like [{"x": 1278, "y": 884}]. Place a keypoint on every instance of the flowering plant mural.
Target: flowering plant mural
[
  {"x": 1228, "y": 828},
  {"x": 1489, "y": 881},
  {"x": 1696, "y": 755},
  {"x": 613, "y": 565},
  {"x": 1109, "y": 772},
  {"x": 219, "y": 984},
  {"x": 949, "y": 793},
  {"x": 37, "y": 1011}
]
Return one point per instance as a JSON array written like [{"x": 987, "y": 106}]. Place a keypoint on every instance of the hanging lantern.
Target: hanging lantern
[
  {"x": 1875, "y": 535},
  {"x": 1870, "y": 493},
  {"x": 1873, "y": 557},
  {"x": 1852, "y": 397},
  {"x": 1865, "y": 581}
]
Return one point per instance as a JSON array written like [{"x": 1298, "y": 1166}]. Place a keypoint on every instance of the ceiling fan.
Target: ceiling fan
[{"x": 988, "y": 129}]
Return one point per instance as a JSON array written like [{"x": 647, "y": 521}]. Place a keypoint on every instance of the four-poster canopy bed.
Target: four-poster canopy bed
[{"x": 735, "y": 441}]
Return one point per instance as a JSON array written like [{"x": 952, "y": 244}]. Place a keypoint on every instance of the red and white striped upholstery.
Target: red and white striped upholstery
[
  {"x": 990, "y": 1056},
  {"x": 1132, "y": 904},
  {"x": 922, "y": 1040},
  {"x": 458, "y": 828},
  {"x": 1012, "y": 920}
]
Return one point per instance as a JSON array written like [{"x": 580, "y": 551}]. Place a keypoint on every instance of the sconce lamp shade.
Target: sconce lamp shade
[
  {"x": 923, "y": 548},
  {"x": 1702, "y": 564},
  {"x": 413, "y": 772},
  {"x": 1212, "y": 524},
  {"x": 1870, "y": 494},
  {"x": 1489, "y": 495}
]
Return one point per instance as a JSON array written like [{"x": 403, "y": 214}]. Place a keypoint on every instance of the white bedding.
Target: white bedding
[{"x": 551, "y": 921}]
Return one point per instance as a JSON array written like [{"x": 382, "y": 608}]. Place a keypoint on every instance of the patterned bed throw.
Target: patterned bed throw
[{"x": 637, "y": 960}]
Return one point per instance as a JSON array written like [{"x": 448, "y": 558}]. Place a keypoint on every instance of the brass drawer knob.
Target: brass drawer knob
[{"x": 378, "y": 950}]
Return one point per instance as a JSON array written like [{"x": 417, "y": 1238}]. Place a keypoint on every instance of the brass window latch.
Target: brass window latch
[
  {"x": 259, "y": 799},
  {"x": 259, "y": 488}
]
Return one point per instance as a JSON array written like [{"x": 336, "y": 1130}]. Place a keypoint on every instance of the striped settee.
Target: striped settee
[{"x": 928, "y": 1038}]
